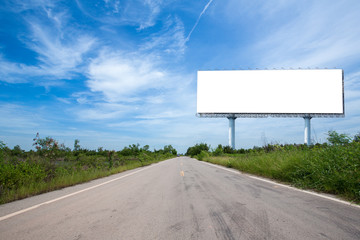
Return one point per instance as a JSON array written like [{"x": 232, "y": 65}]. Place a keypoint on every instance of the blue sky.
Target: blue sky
[{"x": 112, "y": 73}]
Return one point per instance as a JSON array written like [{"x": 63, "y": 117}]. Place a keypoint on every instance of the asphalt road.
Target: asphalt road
[{"x": 180, "y": 198}]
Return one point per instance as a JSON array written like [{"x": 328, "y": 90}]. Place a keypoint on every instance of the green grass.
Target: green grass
[
  {"x": 34, "y": 176},
  {"x": 329, "y": 169}
]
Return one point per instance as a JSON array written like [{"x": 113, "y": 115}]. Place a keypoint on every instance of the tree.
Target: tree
[
  {"x": 2, "y": 145},
  {"x": 218, "y": 151},
  {"x": 170, "y": 149},
  {"x": 357, "y": 137},
  {"x": 335, "y": 138},
  {"x": 48, "y": 147},
  {"x": 228, "y": 149},
  {"x": 145, "y": 148},
  {"x": 195, "y": 150},
  {"x": 135, "y": 149},
  {"x": 3, "y": 148},
  {"x": 47, "y": 143},
  {"x": 76, "y": 145},
  {"x": 17, "y": 150}
]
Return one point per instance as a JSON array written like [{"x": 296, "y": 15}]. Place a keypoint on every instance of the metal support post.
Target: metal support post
[
  {"x": 232, "y": 132},
  {"x": 307, "y": 132}
]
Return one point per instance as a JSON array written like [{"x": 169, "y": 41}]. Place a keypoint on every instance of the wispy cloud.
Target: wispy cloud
[
  {"x": 57, "y": 57},
  {"x": 13, "y": 72},
  {"x": 317, "y": 36},
  {"x": 98, "y": 113},
  {"x": 153, "y": 11},
  {"x": 21, "y": 6},
  {"x": 59, "y": 50},
  {"x": 169, "y": 40},
  {"x": 139, "y": 13},
  {"x": 197, "y": 21},
  {"x": 18, "y": 117}
]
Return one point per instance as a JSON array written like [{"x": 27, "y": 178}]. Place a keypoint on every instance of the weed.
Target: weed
[
  {"x": 53, "y": 166},
  {"x": 327, "y": 168}
]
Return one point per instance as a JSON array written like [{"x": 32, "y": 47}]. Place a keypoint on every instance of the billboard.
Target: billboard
[{"x": 254, "y": 93}]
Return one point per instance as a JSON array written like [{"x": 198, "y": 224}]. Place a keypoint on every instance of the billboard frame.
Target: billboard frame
[
  {"x": 259, "y": 74},
  {"x": 307, "y": 116},
  {"x": 266, "y": 115}
]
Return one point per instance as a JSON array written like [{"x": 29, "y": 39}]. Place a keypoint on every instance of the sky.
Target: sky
[{"x": 112, "y": 73}]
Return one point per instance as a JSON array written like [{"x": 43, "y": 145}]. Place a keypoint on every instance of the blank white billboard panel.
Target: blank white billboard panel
[{"x": 316, "y": 91}]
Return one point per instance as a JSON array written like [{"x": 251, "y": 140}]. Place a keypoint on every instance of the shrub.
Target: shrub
[
  {"x": 168, "y": 149},
  {"x": 203, "y": 155},
  {"x": 228, "y": 149},
  {"x": 195, "y": 150},
  {"x": 218, "y": 151},
  {"x": 52, "y": 166},
  {"x": 327, "y": 168}
]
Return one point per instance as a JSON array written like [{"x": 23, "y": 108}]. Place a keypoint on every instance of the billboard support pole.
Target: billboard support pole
[
  {"x": 307, "y": 132},
  {"x": 232, "y": 132}
]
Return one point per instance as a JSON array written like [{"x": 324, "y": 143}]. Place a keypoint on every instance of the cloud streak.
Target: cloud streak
[{"x": 197, "y": 21}]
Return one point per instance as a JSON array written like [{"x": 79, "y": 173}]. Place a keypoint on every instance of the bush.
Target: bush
[
  {"x": 203, "y": 155},
  {"x": 14, "y": 175},
  {"x": 218, "y": 151},
  {"x": 228, "y": 149},
  {"x": 195, "y": 150},
  {"x": 327, "y": 168},
  {"x": 168, "y": 149},
  {"x": 52, "y": 166}
]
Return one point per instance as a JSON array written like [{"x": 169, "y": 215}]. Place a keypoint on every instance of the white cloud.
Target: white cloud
[{"x": 120, "y": 77}]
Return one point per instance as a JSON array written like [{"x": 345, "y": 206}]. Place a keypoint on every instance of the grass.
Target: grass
[
  {"x": 330, "y": 169},
  {"x": 21, "y": 178}
]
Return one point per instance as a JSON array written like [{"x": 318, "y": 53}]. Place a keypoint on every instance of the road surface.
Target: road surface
[{"x": 180, "y": 198}]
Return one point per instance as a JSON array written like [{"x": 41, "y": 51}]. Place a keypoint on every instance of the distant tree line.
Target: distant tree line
[
  {"x": 333, "y": 138},
  {"x": 50, "y": 163}
]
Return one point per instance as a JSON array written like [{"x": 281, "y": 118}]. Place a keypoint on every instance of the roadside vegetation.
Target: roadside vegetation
[
  {"x": 53, "y": 166},
  {"x": 332, "y": 167}
]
